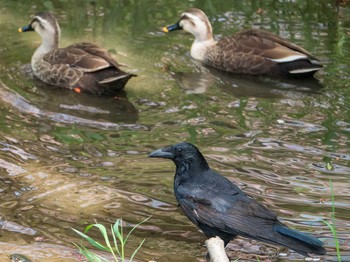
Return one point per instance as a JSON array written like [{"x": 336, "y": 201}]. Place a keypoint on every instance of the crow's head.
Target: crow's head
[{"x": 182, "y": 154}]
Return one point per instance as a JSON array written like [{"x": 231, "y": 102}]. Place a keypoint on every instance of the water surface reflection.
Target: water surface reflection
[{"x": 67, "y": 159}]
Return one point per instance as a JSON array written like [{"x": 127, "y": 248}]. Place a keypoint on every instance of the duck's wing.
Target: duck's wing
[
  {"x": 259, "y": 52},
  {"x": 96, "y": 51},
  {"x": 77, "y": 57},
  {"x": 271, "y": 46},
  {"x": 232, "y": 56}
]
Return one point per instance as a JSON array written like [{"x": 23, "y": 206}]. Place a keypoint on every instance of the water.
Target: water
[{"x": 68, "y": 159}]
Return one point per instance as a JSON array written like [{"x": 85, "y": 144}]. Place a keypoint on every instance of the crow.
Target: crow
[{"x": 220, "y": 208}]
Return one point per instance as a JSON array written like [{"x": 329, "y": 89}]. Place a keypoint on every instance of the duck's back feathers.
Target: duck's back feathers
[
  {"x": 267, "y": 41},
  {"x": 253, "y": 52},
  {"x": 85, "y": 66},
  {"x": 257, "y": 52},
  {"x": 77, "y": 58},
  {"x": 96, "y": 51}
]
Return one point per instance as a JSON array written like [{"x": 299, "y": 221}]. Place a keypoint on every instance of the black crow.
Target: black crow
[{"x": 219, "y": 208}]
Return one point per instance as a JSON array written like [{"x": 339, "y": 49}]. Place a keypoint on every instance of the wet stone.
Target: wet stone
[{"x": 108, "y": 164}]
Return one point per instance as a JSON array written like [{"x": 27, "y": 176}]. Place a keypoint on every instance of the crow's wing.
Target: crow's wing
[{"x": 230, "y": 211}]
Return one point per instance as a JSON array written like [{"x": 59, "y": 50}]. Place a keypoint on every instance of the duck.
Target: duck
[
  {"x": 250, "y": 52},
  {"x": 82, "y": 67}
]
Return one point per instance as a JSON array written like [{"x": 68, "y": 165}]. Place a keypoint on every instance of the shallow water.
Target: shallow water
[{"x": 68, "y": 159}]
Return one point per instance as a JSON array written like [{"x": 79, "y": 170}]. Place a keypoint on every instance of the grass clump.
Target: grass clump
[{"x": 115, "y": 246}]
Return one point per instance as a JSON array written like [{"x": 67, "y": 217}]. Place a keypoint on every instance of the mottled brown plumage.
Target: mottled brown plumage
[
  {"x": 253, "y": 52},
  {"x": 83, "y": 66}
]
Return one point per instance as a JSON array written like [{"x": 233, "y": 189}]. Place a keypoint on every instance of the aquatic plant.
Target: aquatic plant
[
  {"x": 116, "y": 247},
  {"x": 332, "y": 224}
]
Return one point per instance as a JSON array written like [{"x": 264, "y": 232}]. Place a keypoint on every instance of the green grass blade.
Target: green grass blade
[
  {"x": 88, "y": 228},
  {"x": 334, "y": 232},
  {"x": 115, "y": 240},
  {"x": 118, "y": 241},
  {"x": 104, "y": 233},
  {"x": 116, "y": 230},
  {"x": 332, "y": 226},
  {"x": 126, "y": 239},
  {"x": 329, "y": 225},
  {"x": 122, "y": 240},
  {"x": 91, "y": 241},
  {"x": 333, "y": 205},
  {"x": 137, "y": 249},
  {"x": 90, "y": 256}
]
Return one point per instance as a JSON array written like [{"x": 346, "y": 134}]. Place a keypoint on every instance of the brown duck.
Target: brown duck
[
  {"x": 252, "y": 52},
  {"x": 83, "y": 67}
]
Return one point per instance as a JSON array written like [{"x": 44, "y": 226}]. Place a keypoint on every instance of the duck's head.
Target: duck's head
[
  {"x": 194, "y": 21},
  {"x": 46, "y": 25}
]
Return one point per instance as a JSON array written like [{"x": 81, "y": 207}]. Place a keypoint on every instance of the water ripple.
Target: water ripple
[
  {"x": 309, "y": 127},
  {"x": 12, "y": 169},
  {"x": 21, "y": 104},
  {"x": 16, "y": 150},
  {"x": 271, "y": 143}
]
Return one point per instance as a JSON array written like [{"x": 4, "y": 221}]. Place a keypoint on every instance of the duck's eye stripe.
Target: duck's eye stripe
[
  {"x": 184, "y": 17},
  {"x": 35, "y": 20}
]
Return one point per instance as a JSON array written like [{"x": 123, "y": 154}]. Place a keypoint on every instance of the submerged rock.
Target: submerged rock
[{"x": 19, "y": 258}]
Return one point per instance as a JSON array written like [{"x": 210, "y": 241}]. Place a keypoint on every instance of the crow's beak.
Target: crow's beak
[{"x": 161, "y": 154}]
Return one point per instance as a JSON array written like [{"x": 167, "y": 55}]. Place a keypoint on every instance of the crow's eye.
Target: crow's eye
[{"x": 179, "y": 150}]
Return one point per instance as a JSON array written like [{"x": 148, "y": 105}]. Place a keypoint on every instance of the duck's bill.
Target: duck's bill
[
  {"x": 25, "y": 28},
  {"x": 173, "y": 27}
]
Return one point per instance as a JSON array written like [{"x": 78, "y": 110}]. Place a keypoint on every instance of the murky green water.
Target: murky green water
[{"x": 67, "y": 159}]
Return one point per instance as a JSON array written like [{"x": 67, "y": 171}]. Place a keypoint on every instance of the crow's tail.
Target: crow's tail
[{"x": 298, "y": 241}]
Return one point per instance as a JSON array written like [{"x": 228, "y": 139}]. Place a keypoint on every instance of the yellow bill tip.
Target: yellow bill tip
[
  {"x": 165, "y": 29},
  {"x": 20, "y": 30}
]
